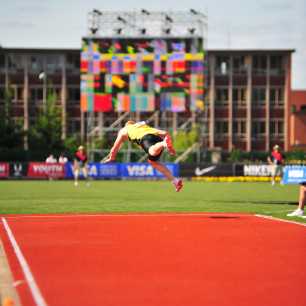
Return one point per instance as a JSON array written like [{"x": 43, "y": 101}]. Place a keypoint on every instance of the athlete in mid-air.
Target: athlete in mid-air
[{"x": 152, "y": 141}]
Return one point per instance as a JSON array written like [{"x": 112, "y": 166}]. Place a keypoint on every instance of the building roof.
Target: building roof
[
  {"x": 39, "y": 50},
  {"x": 76, "y": 50},
  {"x": 248, "y": 51}
]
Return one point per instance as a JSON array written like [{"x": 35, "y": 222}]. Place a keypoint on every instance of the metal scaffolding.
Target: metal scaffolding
[{"x": 144, "y": 24}]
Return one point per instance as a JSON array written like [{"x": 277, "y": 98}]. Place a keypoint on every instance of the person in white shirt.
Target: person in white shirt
[
  {"x": 51, "y": 159},
  {"x": 62, "y": 159}
]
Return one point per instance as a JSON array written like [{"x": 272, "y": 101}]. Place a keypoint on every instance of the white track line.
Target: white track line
[
  {"x": 37, "y": 296},
  {"x": 131, "y": 215},
  {"x": 280, "y": 220}
]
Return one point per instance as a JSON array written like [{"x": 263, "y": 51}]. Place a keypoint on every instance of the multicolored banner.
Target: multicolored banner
[{"x": 142, "y": 75}]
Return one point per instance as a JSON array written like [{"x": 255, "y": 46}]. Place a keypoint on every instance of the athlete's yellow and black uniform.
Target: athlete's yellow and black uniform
[{"x": 145, "y": 136}]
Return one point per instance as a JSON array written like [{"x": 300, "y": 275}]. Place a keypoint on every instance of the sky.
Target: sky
[{"x": 235, "y": 24}]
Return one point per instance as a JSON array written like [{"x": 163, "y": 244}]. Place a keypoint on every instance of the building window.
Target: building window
[
  {"x": 277, "y": 96},
  {"x": 16, "y": 93},
  {"x": 258, "y": 129},
  {"x": 258, "y": 96},
  {"x": 239, "y": 96},
  {"x": 19, "y": 94},
  {"x": 73, "y": 95},
  {"x": 53, "y": 63},
  {"x": 15, "y": 62},
  {"x": 276, "y": 65},
  {"x": 239, "y": 128},
  {"x": 2, "y": 93},
  {"x": 239, "y": 66},
  {"x": 277, "y": 128},
  {"x": 259, "y": 64},
  {"x": 36, "y": 94},
  {"x": 73, "y": 62},
  {"x": 222, "y": 65},
  {"x": 2, "y": 60},
  {"x": 221, "y": 97},
  {"x": 74, "y": 126},
  {"x": 36, "y": 64},
  {"x": 221, "y": 127}
]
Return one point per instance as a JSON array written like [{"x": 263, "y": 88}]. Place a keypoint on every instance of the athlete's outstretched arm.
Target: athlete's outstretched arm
[{"x": 121, "y": 137}]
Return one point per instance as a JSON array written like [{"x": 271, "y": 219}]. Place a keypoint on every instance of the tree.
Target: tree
[
  {"x": 45, "y": 134},
  {"x": 11, "y": 132}
]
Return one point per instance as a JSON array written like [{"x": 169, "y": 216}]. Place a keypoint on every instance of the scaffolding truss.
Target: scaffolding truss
[{"x": 141, "y": 25}]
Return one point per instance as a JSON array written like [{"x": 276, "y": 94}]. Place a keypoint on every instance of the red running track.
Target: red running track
[{"x": 160, "y": 260}]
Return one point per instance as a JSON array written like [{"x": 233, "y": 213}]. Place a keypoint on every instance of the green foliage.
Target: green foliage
[
  {"x": 70, "y": 145},
  {"x": 235, "y": 156},
  {"x": 45, "y": 135},
  {"x": 11, "y": 132},
  {"x": 185, "y": 139},
  {"x": 297, "y": 156}
]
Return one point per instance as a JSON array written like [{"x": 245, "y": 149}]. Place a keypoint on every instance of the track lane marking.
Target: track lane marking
[
  {"x": 7, "y": 283},
  {"x": 37, "y": 296},
  {"x": 161, "y": 214},
  {"x": 279, "y": 219}
]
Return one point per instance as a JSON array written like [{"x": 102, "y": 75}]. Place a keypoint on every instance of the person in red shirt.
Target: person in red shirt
[
  {"x": 80, "y": 165},
  {"x": 276, "y": 160}
]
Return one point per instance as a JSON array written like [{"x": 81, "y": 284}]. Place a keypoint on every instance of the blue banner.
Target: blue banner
[
  {"x": 294, "y": 174},
  {"x": 126, "y": 170},
  {"x": 96, "y": 170},
  {"x": 145, "y": 170}
]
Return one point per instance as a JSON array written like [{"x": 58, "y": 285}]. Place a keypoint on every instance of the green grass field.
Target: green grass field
[{"x": 44, "y": 197}]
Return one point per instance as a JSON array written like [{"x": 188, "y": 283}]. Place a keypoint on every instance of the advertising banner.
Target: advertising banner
[
  {"x": 18, "y": 170},
  {"x": 4, "y": 170},
  {"x": 46, "y": 170},
  {"x": 118, "y": 170},
  {"x": 199, "y": 170},
  {"x": 294, "y": 174},
  {"x": 257, "y": 170},
  {"x": 145, "y": 170},
  {"x": 96, "y": 170}
]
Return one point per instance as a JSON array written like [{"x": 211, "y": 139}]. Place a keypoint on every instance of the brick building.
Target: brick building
[
  {"x": 297, "y": 120},
  {"x": 248, "y": 93},
  {"x": 20, "y": 69},
  {"x": 249, "y": 97}
]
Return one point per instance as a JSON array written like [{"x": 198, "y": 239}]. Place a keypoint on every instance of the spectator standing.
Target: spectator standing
[{"x": 276, "y": 160}]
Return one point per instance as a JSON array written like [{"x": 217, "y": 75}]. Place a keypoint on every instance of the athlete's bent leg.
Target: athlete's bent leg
[
  {"x": 178, "y": 184},
  {"x": 302, "y": 198},
  {"x": 302, "y": 201},
  {"x": 155, "y": 149},
  {"x": 163, "y": 169}
]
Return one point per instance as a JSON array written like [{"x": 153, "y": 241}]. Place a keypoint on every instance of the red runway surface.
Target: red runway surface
[{"x": 175, "y": 260}]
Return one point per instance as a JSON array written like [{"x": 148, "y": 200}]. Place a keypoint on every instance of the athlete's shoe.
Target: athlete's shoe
[
  {"x": 169, "y": 145},
  {"x": 297, "y": 213},
  {"x": 178, "y": 185}
]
